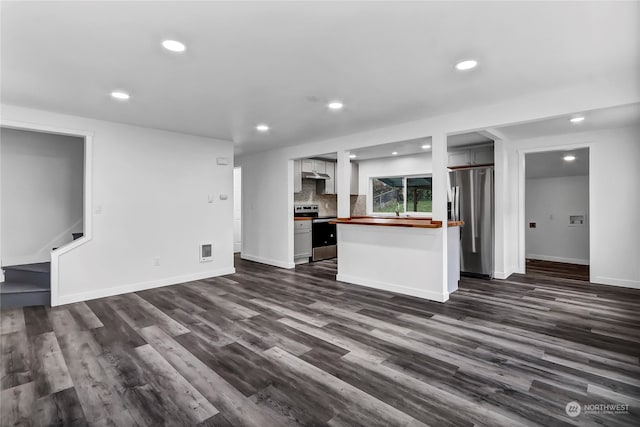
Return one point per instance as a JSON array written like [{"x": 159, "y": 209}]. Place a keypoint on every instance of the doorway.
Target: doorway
[
  {"x": 237, "y": 210},
  {"x": 42, "y": 210},
  {"x": 556, "y": 193}
]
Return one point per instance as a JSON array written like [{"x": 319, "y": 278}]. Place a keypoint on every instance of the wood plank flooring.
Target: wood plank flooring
[
  {"x": 274, "y": 347},
  {"x": 560, "y": 270}
]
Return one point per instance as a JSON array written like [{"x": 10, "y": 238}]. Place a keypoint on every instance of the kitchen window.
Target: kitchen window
[{"x": 401, "y": 194}]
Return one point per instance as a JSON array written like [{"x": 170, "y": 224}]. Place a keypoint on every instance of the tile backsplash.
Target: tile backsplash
[{"x": 327, "y": 203}]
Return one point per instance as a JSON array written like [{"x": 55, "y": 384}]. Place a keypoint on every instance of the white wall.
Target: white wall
[
  {"x": 151, "y": 189},
  {"x": 415, "y": 164},
  {"x": 614, "y": 199},
  {"x": 42, "y": 194},
  {"x": 548, "y": 203}
]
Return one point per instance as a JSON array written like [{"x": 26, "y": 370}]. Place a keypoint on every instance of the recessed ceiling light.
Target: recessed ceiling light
[
  {"x": 353, "y": 156},
  {"x": 466, "y": 65},
  {"x": 118, "y": 94},
  {"x": 577, "y": 119},
  {"x": 569, "y": 158},
  {"x": 335, "y": 105},
  {"x": 426, "y": 146},
  {"x": 262, "y": 127},
  {"x": 395, "y": 153},
  {"x": 174, "y": 46}
]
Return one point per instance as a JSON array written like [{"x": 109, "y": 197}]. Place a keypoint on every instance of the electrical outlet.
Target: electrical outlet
[{"x": 156, "y": 262}]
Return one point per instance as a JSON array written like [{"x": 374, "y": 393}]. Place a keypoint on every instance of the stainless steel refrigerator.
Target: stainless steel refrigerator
[{"x": 471, "y": 200}]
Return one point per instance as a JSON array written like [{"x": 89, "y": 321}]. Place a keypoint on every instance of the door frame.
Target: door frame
[
  {"x": 239, "y": 168},
  {"x": 87, "y": 136},
  {"x": 522, "y": 252}
]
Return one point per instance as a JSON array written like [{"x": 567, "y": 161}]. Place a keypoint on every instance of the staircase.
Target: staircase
[{"x": 26, "y": 285}]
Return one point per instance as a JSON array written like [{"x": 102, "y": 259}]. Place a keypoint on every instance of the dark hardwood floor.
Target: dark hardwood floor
[
  {"x": 274, "y": 347},
  {"x": 558, "y": 270}
]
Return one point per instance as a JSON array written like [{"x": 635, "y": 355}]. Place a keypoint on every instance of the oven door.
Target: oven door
[
  {"x": 324, "y": 240},
  {"x": 323, "y": 233}
]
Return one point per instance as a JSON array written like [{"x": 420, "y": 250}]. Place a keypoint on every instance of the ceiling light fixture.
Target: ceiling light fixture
[
  {"x": 118, "y": 94},
  {"x": 335, "y": 105},
  {"x": 426, "y": 147},
  {"x": 174, "y": 46},
  {"x": 576, "y": 119},
  {"x": 466, "y": 65},
  {"x": 262, "y": 127},
  {"x": 352, "y": 156},
  {"x": 395, "y": 153},
  {"x": 569, "y": 158}
]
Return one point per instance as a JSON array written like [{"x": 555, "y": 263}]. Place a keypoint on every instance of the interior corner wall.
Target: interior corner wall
[
  {"x": 613, "y": 198},
  {"x": 548, "y": 203},
  {"x": 156, "y": 198},
  {"x": 42, "y": 193}
]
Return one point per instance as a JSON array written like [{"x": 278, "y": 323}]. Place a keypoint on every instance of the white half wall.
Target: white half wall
[
  {"x": 42, "y": 194},
  {"x": 156, "y": 197},
  {"x": 548, "y": 203},
  {"x": 613, "y": 199}
]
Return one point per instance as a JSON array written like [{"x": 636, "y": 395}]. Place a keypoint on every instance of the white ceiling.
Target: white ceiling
[
  {"x": 280, "y": 62},
  {"x": 607, "y": 118},
  {"x": 551, "y": 164}
]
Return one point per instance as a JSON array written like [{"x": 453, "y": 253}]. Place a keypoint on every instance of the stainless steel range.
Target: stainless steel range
[{"x": 323, "y": 234}]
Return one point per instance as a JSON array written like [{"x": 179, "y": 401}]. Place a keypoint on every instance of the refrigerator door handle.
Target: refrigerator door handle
[{"x": 472, "y": 203}]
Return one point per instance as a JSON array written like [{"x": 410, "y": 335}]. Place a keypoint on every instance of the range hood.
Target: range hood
[{"x": 315, "y": 175}]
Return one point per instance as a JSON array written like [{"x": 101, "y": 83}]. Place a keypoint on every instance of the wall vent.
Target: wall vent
[{"x": 206, "y": 252}]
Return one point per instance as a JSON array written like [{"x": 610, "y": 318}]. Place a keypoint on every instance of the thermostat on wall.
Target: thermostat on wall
[{"x": 206, "y": 252}]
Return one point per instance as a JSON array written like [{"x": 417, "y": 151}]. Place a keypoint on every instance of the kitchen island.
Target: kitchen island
[{"x": 402, "y": 255}]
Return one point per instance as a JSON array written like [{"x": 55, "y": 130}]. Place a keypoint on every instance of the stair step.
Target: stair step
[
  {"x": 37, "y": 274},
  {"x": 11, "y": 297},
  {"x": 16, "y": 288},
  {"x": 39, "y": 267}
]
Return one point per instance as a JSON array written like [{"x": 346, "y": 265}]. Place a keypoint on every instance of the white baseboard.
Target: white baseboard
[
  {"x": 558, "y": 259},
  {"x": 501, "y": 275},
  {"x": 267, "y": 261},
  {"x": 135, "y": 287},
  {"x": 420, "y": 293},
  {"x": 626, "y": 283}
]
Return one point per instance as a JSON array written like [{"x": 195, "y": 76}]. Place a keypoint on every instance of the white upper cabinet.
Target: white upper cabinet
[
  {"x": 470, "y": 156},
  {"x": 320, "y": 166},
  {"x": 482, "y": 157},
  {"x": 328, "y": 186},
  {"x": 308, "y": 165}
]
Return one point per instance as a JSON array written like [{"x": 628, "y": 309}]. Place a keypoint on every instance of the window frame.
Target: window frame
[{"x": 404, "y": 195}]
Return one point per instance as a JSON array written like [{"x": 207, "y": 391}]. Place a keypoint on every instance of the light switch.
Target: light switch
[
  {"x": 98, "y": 209},
  {"x": 210, "y": 198},
  {"x": 223, "y": 196},
  {"x": 222, "y": 160}
]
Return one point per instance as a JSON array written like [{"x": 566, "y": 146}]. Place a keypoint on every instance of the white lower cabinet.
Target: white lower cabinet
[{"x": 302, "y": 241}]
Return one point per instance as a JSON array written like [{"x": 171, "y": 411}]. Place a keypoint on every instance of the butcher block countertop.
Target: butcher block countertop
[
  {"x": 302, "y": 218},
  {"x": 396, "y": 222}
]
